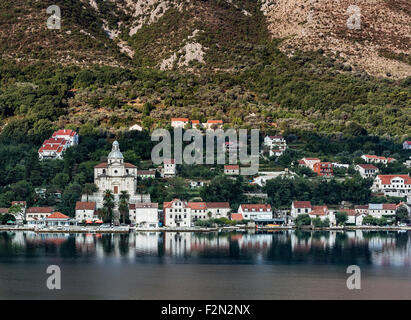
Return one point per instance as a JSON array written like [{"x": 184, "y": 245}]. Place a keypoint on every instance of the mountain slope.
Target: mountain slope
[{"x": 207, "y": 34}]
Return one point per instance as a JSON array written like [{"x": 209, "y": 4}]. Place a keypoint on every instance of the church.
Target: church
[{"x": 116, "y": 175}]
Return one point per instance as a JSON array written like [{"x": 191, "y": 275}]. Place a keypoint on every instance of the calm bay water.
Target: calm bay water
[{"x": 278, "y": 265}]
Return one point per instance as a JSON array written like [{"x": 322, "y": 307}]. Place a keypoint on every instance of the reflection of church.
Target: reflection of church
[{"x": 116, "y": 175}]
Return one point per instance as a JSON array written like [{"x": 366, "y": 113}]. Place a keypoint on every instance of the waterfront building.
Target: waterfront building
[
  {"x": 378, "y": 210},
  {"x": 259, "y": 213},
  {"x": 56, "y": 219},
  {"x": 353, "y": 216},
  {"x": 34, "y": 214},
  {"x": 323, "y": 213},
  {"x": 361, "y": 209},
  {"x": 366, "y": 170},
  {"x": 392, "y": 185},
  {"x": 178, "y": 213},
  {"x": 144, "y": 215},
  {"x": 406, "y": 145},
  {"x": 86, "y": 211},
  {"x": 300, "y": 207}
]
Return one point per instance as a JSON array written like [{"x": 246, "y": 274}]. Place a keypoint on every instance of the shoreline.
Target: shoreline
[{"x": 203, "y": 230}]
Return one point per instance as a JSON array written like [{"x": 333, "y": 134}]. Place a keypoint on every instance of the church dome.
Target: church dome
[{"x": 115, "y": 151}]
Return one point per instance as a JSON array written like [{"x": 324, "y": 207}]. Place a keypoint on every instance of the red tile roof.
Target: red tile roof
[
  {"x": 302, "y": 204},
  {"x": 105, "y": 165},
  {"x": 256, "y": 207},
  {"x": 232, "y": 167},
  {"x": 215, "y": 121},
  {"x": 57, "y": 215},
  {"x": 197, "y": 205},
  {"x": 40, "y": 210},
  {"x": 389, "y": 206},
  {"x": 386, "y": 178},
  {"x": 236, "y": 216},
  {"x": 180, "y": 119},
  {"x": 85, "y": 205},
  {"x": 349, "y": 212},
  {"x": 319, "y": 210},
  {"x": 169, "y": 161},
  {"x": 364, "y": 206},
  {"x": 225, "y": 205},
  {"x": 408, "y": 142},
  {"x": 368, "y": 166},
  {"x": 195, "y": 121},
  {"x": 4, "y": 210},
  {"x": 65, "y": 132},
  {"x": 129, "y": 165}
]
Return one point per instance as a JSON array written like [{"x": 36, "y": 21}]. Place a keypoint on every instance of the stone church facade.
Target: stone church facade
[{"x": 116, "y": 175}]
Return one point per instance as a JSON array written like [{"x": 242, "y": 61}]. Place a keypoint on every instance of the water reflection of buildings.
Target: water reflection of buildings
[{"x": 379, "y": 248}]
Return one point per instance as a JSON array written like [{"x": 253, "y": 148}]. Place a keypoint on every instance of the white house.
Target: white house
[
  {"x": 34, "y": 214},
  {"x": 144, "y": 214},
  {"x": 300, "y": 207},
  {"x": 406, "y": 145},
  {"x": 366, "y": 170},
  {"x": 323, "y": 213},
  {"x": 378, "y": 210},
  {"x": 392, "y": 185},
  {"x": 70, "y": 136},
  {"x": 56, "y": 219},
  {"x": 275, "y": 142},
  {"x": 256, "y": 212},
  {"x": 369, "y": 158},
  {"x": 309, "y": 162},
  {"x": 85, "y": 211},
  {"x": 218, "y": 209},
  {"x": 361, "y": 209},
  {"x": 169, "y": 168},
  {"x": 232, "y": 169},
  {"x": 146, "y": 174},
  {"x": 179, "y": 122},
  {"x": 176, "y": 213},
  {"x": 353, "y": 216},
  {"x": 52, "y": 149}
]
